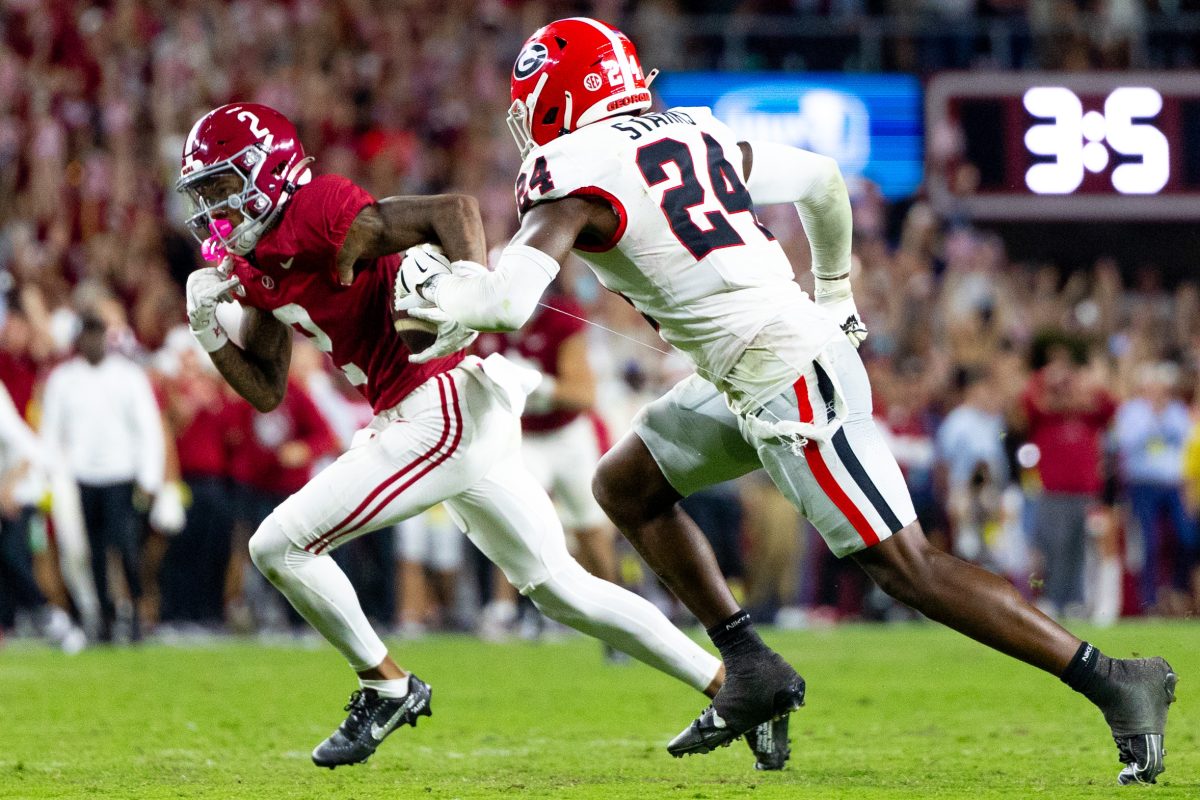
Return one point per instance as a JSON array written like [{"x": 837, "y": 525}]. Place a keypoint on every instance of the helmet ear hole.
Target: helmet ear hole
[{"x": 550, "y": 116}]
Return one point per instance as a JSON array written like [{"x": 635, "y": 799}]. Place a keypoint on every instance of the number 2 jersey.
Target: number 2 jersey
[
  {"x": 689, "y": 252},
  {"x": 292, "y": 274}
]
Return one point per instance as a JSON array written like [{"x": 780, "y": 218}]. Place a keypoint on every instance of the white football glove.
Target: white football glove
[
  {"x": 451, "y": 336},
  {"x": 419, "y": 265},
  {"x": 206, "y": 288},
  {"x": 836, "y": 298}
]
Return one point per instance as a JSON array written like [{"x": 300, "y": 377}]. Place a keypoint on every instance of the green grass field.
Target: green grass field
[{"x": 893, "y": 712}]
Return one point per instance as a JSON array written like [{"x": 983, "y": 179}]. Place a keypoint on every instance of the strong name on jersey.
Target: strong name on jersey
[
  {"x": 292, "y": 274},
  {"x": 689, "y": 252}
]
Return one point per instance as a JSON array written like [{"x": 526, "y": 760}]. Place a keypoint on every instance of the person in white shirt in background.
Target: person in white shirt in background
[
  {"x": 22, "y": 486},
  {"x": 100, "y": 414}
]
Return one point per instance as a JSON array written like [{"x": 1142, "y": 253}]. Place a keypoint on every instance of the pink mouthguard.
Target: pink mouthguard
[{"x": 213, "y": 248}]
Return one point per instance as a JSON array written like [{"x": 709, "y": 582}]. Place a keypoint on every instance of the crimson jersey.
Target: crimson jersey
[
  {"x": 539, "y": 341},
  {"x": 292, "y": 273}
]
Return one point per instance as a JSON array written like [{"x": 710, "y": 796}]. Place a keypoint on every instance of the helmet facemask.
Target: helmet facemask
[
  {"x": 520, "y": 123},
  {"x": 253, "y": 204}
]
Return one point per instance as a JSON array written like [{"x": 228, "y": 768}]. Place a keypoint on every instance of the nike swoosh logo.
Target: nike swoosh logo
[
  {"x": 287, "y": 264},
  {"x": 378, "y": 732}
]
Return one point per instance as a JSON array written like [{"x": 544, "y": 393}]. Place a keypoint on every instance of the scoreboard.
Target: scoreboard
[{"x": 1094, "y": 146}]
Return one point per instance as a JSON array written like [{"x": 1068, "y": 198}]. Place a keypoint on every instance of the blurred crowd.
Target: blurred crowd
[{"x": 1043, "y": 419}]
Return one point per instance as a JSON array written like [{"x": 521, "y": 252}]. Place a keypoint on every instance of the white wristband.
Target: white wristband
[
  {"x": 211, "y": 339},
  {"x": 831, "y": 291}
]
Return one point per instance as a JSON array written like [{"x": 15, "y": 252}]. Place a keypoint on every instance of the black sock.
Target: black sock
[
  {"x": 1085, "y": 668},
  {"x": 735, "y": 636}
]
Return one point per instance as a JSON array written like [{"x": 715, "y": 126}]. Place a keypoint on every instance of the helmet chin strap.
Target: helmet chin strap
[
  {"x": 298, "y": 175},
  {"x": 569, "y": 107},
  {"x": 295, "y": 177}
]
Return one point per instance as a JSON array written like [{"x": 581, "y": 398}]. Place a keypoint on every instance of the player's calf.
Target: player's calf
[{"x": 372, "y": 718}]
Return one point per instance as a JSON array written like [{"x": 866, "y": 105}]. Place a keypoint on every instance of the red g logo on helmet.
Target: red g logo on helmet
[{"x": 571, "y": 73}]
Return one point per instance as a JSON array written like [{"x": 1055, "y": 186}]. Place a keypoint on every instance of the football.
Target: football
[{"x": 417, "y": 334}]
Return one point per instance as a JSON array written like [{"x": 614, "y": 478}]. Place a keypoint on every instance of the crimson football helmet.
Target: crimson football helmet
[
  {"x": 571, "y": 73},
  {"x": 256, "y": 145}
]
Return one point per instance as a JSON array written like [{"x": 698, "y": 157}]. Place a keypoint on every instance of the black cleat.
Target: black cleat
[
  {"x": 371, "y": 719},
  {"x": 756, "y": 690},
  {"x": 769, "y": 743},
  {"x": 1142, "y": 757},
  {"x": 1142, "y": 691}
]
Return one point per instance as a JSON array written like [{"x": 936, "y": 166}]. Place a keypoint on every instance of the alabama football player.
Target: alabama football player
[
  {"x": 660, "y": 205},
  {"x": 317, "y": 255}
]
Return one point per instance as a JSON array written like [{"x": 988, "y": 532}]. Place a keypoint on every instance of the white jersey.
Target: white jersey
[{"x": 689, "y": 252}]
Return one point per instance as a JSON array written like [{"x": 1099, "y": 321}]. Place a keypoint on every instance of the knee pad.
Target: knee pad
[{"x": 270, "y": 549}]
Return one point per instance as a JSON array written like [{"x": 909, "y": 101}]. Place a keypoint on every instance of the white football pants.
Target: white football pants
[{"x": 455, "y": 439}]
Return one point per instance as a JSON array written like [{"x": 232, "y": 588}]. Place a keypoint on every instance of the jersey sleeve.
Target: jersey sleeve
[
  {"x": 568, "y": 168},
  {"x": 321, "y": 214},
  {"x": 558, "y": 170}
]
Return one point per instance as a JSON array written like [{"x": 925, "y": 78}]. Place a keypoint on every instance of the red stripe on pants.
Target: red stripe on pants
[
  {"x": 429, "y": 468},
  {"x": 825, "y": 479},
  {"x": 332, "y": 533}
]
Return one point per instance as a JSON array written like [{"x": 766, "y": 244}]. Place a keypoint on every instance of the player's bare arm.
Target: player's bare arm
[
  {"x": 258, "y": 370},
  {"x": 395, "y": 224},
  {"x": 555, "y": 227},
  {"x": 505, "y": 298}
]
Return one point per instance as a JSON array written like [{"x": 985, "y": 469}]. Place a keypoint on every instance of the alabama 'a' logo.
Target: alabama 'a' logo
[{"x": 532, "y": 59}]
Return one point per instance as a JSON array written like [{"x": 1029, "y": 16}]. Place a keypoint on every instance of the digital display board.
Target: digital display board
[
  {"x": 1071, "y": 146},
  {"x": 871, "y": 124}
]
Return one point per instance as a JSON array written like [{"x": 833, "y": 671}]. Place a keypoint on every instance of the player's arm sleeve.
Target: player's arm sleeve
[
  {"x": 500, "y": 300},
  {"x": 783, "y": 174}
]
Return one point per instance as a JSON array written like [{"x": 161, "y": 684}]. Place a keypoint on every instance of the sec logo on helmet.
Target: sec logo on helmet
[{"x": 532, "y": 59}]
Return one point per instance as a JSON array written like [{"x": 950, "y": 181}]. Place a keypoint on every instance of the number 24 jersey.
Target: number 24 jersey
[{"x": 689, "y": 252}]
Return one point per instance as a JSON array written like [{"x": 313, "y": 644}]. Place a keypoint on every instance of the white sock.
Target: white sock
[{"x": 395, "y": 688}]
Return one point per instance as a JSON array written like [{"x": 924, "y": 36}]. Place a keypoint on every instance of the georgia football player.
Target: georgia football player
[
  {"x": 661, "y": 207},
  {"x": 317, "y": 255}
]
